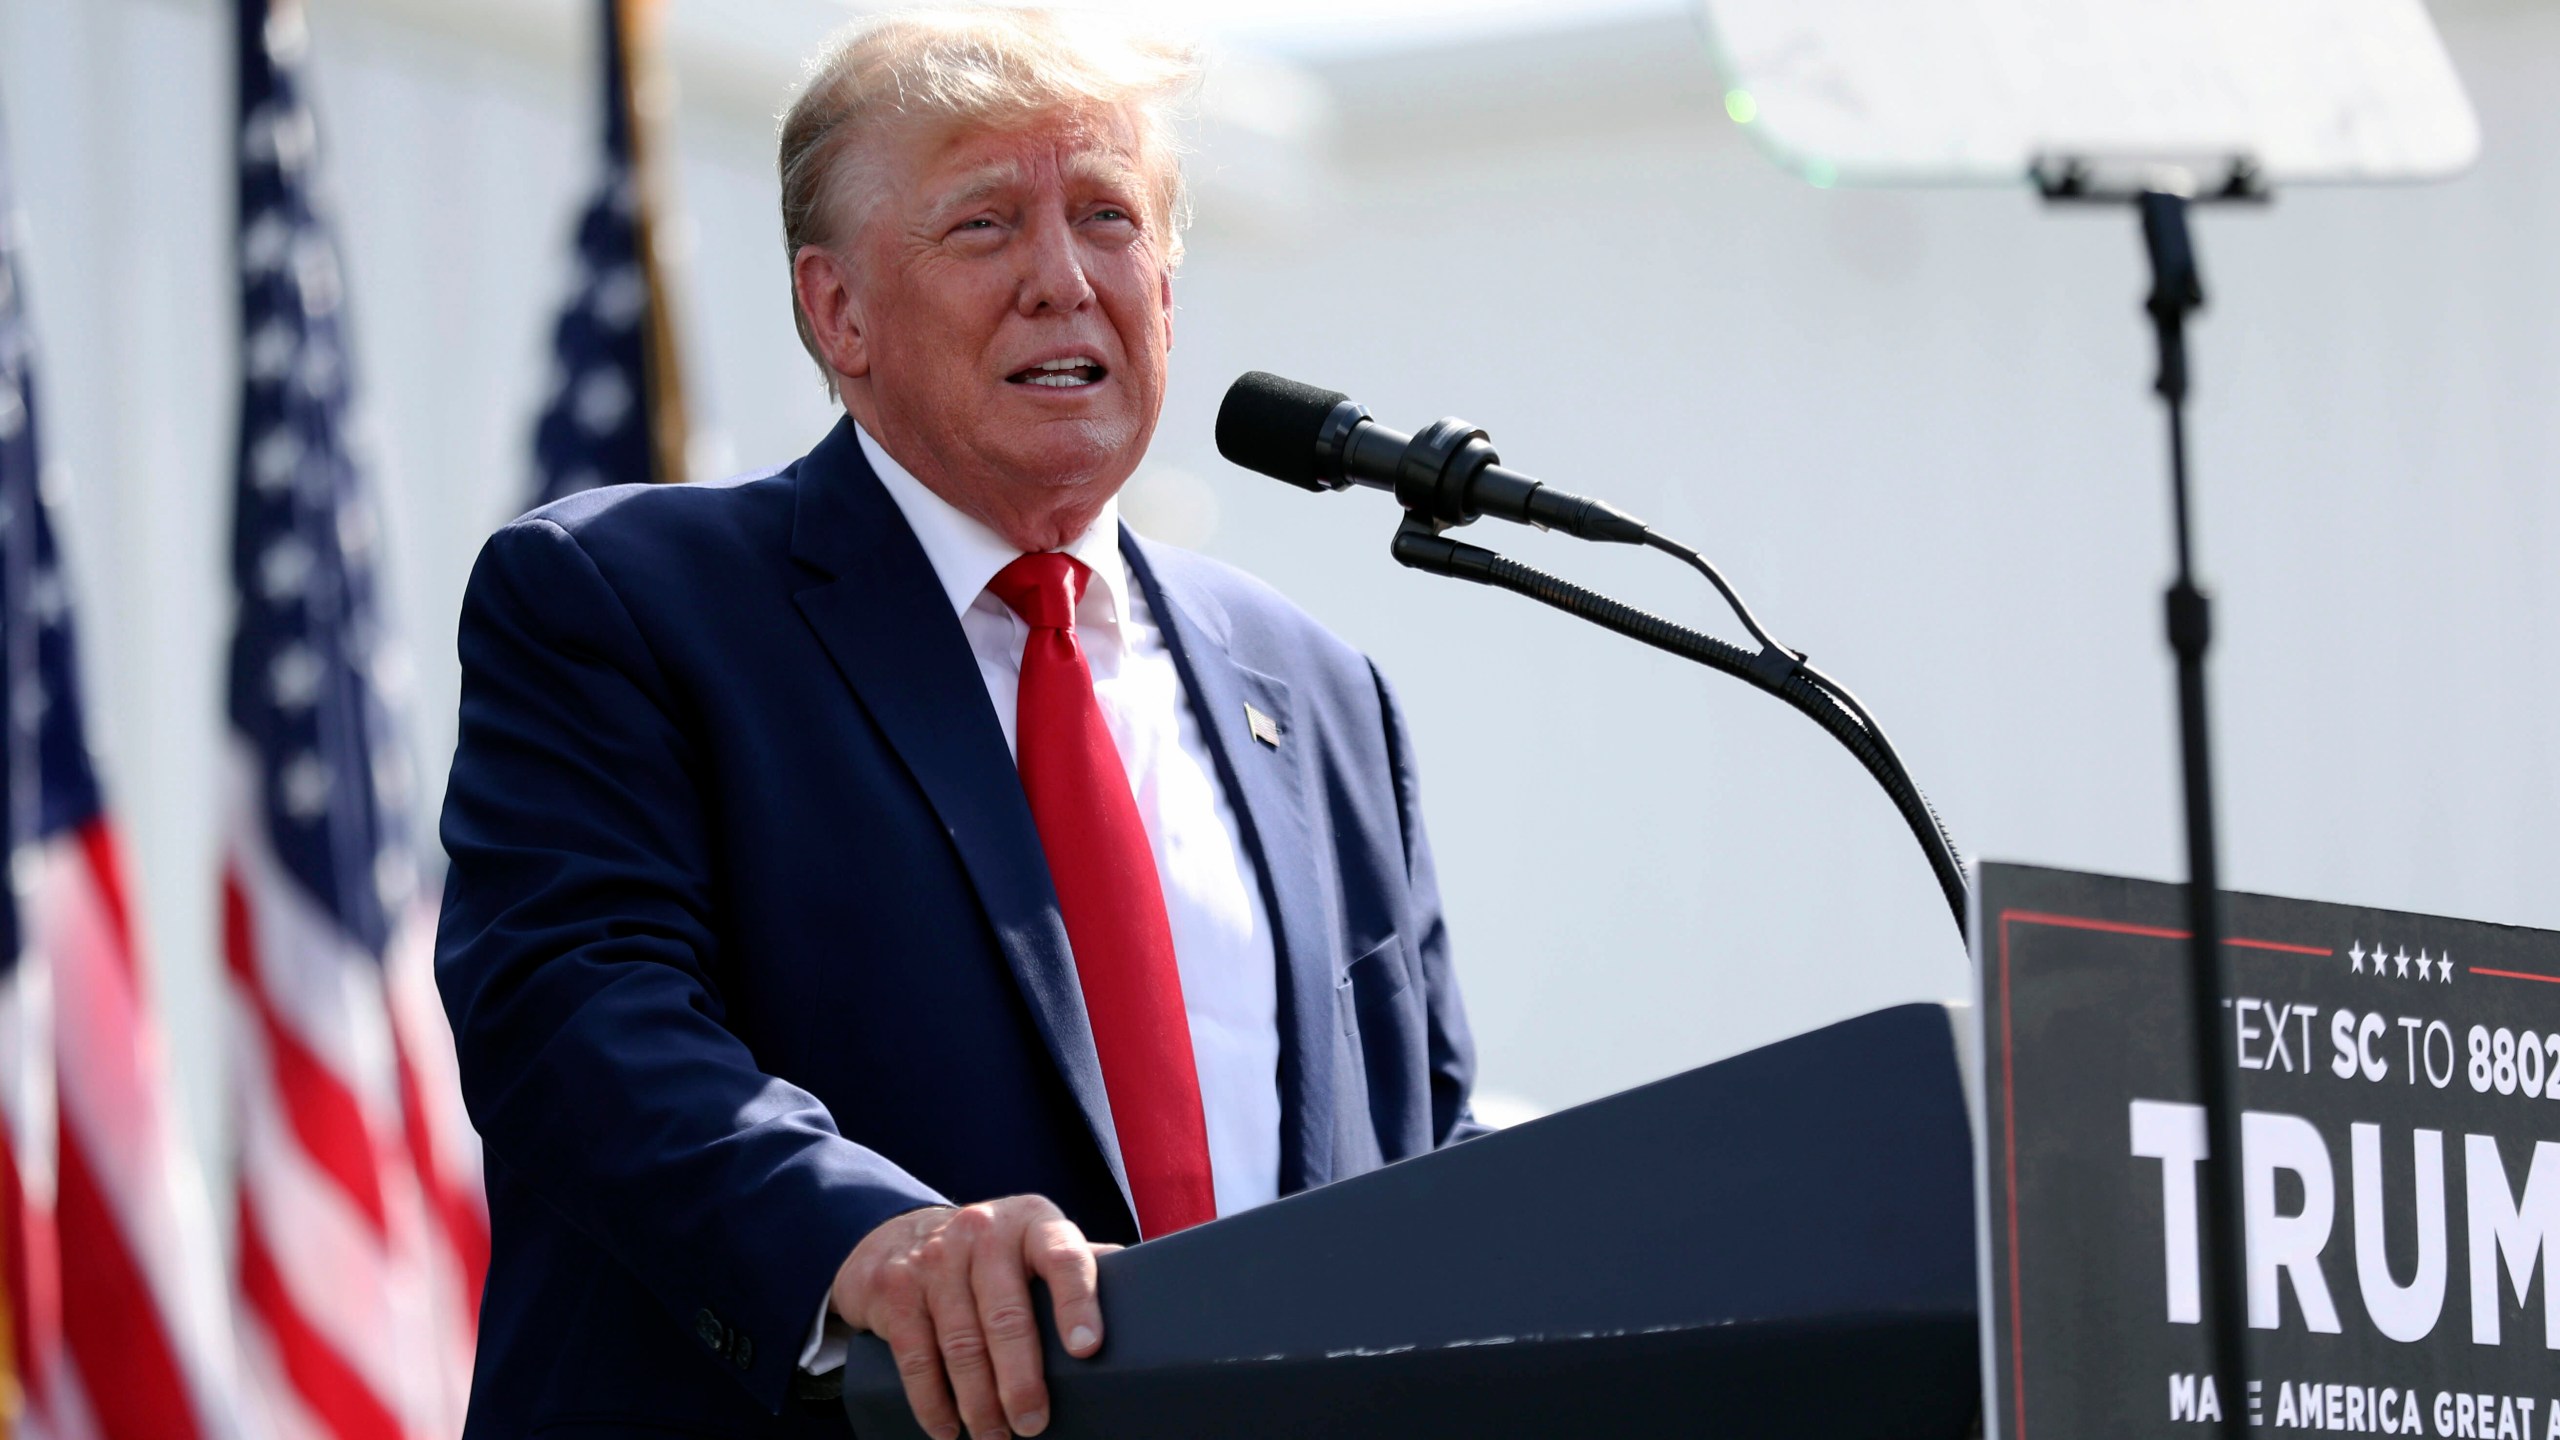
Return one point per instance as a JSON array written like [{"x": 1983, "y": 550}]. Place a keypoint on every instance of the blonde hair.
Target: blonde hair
[{"x": 988, "y": 65}]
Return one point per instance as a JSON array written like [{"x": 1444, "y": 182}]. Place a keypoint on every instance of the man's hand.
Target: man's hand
[{"x": 950, "y": 1291}]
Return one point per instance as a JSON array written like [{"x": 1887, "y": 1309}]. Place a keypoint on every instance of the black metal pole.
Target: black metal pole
[{"x": 2177, "y": 291}]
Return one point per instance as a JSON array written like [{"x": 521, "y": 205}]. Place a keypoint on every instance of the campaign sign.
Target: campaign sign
[{"x": 2398, "y": 1078}]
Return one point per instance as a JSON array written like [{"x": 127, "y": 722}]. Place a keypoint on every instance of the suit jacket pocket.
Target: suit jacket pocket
[
  {"x": 1383, "y": 1034},
  {"x": 1369, "y": 986}
]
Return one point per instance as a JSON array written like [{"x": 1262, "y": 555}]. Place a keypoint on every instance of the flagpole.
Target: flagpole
[{"x": 644, "y": 90}]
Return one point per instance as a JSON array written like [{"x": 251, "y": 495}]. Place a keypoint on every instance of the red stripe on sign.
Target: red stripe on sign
[
  {"x": 2152, "y": 932},
  {"x": 111, "y": 1322},
  {"x": 2009, "y": 1103},
  {"x": 2009, "y": 1148},
  {"x": 2514, "y": 974},
  {"x": 2279, "y": 945},
  {"x": 326, "y": 1118},
  {"x": 2082, "y": 922},
  {"x": 326, "y": 1384}
]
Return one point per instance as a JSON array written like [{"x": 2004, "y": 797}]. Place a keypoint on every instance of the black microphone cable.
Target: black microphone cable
[{"x": 1775, "y": 669}]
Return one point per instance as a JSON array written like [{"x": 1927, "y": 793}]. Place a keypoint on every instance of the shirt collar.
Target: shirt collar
[{"x": 966, "y": 554}]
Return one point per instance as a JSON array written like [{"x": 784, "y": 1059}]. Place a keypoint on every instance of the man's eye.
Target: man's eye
[
  {"x": 1109, "y": 212},
  {"x": 981, "y": 223}
]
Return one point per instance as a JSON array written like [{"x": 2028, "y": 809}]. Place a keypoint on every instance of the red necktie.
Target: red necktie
[{"x": 1113, "y": 902}]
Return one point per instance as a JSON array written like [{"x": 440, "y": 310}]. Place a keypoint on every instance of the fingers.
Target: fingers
[
  {"x": 899, "y": 1317},
  {"x": 1003, "y": 1294},
  {"x": 1057, "y": 1252},
  {"x": 950, "y": 1292},
  {"x": 949, "y": 1257}
]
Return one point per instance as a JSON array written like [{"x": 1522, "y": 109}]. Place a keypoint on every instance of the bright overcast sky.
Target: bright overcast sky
[{"x": 1332, "y": 27}]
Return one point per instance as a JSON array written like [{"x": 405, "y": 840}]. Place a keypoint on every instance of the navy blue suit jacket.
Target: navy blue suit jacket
[{"x": 749, "y": 943}]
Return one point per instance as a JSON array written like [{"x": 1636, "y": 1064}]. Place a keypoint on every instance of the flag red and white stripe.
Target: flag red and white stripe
[
  {"x": 116, "y": 1309},
  {"x": 145, "y": 1331},
  {"x": 362, "y": 1230}
]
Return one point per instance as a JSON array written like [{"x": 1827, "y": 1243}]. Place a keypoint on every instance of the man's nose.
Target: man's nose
[{"x": 1053, "y": 275}]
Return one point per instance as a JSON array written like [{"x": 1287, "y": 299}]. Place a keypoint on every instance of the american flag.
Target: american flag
[
  {"x": 614, "y": 416},
  {"x": 363, "y": 1232},
  {"x": 115, "y": 1300}
]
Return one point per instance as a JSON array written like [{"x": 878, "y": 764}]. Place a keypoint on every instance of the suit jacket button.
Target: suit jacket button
[
  {"x": 708, "y": 1329},
  {"x": 744, "y": 1353}
]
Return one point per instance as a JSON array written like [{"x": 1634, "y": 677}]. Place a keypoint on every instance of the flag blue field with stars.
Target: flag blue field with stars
[
  {"x": 47, "y": 785},
  {"x": 597, "y": 428},
  {"x": 307, "y": 641}
]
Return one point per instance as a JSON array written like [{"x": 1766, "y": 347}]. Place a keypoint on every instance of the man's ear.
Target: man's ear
[{"x": 823, "y": 284}]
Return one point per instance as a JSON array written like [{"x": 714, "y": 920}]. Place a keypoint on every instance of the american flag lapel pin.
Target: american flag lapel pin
[{"x": 1264, "y": 728}]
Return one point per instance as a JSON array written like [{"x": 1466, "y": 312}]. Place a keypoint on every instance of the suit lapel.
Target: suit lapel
[
  {"x": 1271, "y": 785},
  {"x": 888, "y": 624}
]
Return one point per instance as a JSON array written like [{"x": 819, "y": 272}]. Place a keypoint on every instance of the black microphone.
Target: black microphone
[{"x": 1324, "y": 440}]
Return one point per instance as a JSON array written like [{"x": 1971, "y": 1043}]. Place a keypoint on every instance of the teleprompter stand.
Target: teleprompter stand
[
  {"x": 2161, "y": 194},
  {"x": 1781, "y": 1244}
]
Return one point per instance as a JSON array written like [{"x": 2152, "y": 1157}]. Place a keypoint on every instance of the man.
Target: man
[{"x": 883, "y": 881}]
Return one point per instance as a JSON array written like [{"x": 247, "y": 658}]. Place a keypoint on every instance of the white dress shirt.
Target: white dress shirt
[{"x": 1212, "y": 894}]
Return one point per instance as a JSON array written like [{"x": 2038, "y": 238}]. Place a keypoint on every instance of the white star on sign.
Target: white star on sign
[
  {"x": 2403, "y": 971},
  {"x": 2355, "y": 958},
  {"x": 2444, "y": 969}
]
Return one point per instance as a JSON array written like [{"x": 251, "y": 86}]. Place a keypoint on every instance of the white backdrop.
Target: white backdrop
[{"x": 1914, "y": 426}]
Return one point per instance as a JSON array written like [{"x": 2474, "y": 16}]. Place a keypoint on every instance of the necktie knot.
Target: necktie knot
[{"x": 1043, "y": 588}]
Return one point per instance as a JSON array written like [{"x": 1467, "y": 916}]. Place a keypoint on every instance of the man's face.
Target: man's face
[{"x": 1015, "y": 308}]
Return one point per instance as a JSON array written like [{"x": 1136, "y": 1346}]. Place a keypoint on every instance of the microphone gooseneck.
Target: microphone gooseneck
[{"x": 1447, "y": 474}]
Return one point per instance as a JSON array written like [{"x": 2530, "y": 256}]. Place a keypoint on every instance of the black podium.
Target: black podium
[{"x": 1780, "y": 1244}]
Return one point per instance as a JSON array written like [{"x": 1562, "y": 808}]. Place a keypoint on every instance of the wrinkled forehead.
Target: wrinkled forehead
[{"x": 932, "y": 165}]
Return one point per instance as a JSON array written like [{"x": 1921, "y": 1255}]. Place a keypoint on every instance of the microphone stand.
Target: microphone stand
[
  {"x": 2161, "y": 196},
  {"x": 1781, "y": 672}
]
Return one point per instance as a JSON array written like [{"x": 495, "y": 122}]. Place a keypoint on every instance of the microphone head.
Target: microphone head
[{"x": 1272, "y": 425}]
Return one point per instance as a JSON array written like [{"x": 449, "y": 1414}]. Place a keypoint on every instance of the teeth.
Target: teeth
[
  {"x": 1058, "y": 382},
  {"x": 1078, "y": 362}
]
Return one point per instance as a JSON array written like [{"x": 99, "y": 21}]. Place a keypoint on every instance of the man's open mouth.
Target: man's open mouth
[{"x": 1067, "y": 374}]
